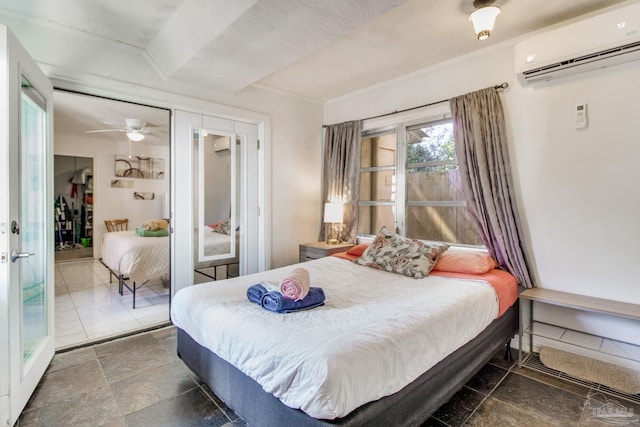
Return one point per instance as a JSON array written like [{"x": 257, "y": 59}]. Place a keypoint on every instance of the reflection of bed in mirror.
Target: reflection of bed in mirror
[
  {"x": 216, "y": 244},
  {"x": 135, "y": 260}
]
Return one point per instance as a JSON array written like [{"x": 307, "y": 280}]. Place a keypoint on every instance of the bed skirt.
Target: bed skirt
[{"x": 410, "y": 406}]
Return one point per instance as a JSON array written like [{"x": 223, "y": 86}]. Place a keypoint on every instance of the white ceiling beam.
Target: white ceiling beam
[{"x": 190, "y": 29}]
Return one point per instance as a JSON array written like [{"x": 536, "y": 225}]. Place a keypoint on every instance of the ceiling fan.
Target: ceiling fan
[{"x": 135, "y": 129}]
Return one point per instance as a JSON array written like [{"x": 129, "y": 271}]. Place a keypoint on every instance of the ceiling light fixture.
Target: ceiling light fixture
[
  {"x": 484, "y": 18},
  {"x": 135, "y": 135}
]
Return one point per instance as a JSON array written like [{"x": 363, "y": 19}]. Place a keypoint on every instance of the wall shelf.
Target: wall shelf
[
  {"x": 568, "y": 339},
  {"x": 87, "y": 208}
]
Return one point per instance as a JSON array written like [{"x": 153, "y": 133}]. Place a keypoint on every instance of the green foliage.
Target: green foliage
[{"x": 437, "y": 144}]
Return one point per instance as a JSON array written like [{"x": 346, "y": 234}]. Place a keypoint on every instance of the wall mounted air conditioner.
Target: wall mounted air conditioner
[
  {"x": 222, "y": 143},
  {"x": 596, "y": 42}
]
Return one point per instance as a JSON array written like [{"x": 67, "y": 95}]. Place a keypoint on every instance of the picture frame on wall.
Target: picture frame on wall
[
  {"x": 121, "y": 183},
  {"x": 139, "y": 167},
  {"x": 138, "y": 195}
]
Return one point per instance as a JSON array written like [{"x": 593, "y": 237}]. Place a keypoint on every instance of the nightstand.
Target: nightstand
[{"x": 315, "y": 250}]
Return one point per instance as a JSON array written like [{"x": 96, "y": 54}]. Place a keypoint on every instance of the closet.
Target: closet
[{"x": 73, "y": 212}]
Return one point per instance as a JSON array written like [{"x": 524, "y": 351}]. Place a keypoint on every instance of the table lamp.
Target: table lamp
[{"x": 332, "y": 215}]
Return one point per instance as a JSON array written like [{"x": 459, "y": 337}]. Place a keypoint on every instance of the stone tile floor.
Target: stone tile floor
[{"x": 139, "y": 381}]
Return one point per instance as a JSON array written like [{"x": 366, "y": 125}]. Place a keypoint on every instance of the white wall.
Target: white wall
[
  {"x": 577, "y": 190},
  {"x": 296, "y": 154},
  {"x": 112, "y": 203}
]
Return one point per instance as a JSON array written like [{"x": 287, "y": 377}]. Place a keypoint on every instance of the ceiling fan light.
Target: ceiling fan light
[
  {"x": 135, "y": 136},
  {"x": 483, "y": 21}
]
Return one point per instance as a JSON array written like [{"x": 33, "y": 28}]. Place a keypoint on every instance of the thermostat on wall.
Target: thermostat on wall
[{"x": 581, "y": 116}]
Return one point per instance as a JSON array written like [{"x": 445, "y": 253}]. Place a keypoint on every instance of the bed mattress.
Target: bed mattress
[
  {"x": 139, "y": 258},
  {"x": 321, "y": 361}
]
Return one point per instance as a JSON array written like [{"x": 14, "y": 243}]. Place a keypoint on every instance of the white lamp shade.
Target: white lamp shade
[
  {"x": 483, "y": 20},
  {"x": 135, "y": 136},
  {"x": 333, "y": 212}
]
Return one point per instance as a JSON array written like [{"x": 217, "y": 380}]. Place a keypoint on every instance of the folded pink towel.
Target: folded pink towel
[{"x": 296, "y": 285}]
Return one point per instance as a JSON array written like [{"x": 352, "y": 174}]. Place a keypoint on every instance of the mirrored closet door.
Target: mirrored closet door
[{"x": 217, "y": 199}]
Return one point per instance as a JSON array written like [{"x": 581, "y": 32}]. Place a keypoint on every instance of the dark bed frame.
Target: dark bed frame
[
  {"x": 122, "y": 282},
  {"x": 409, "y": 407}
]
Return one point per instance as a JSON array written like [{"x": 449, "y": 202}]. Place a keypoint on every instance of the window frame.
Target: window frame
[
  {"x": 428, "y": 203},
  {"x": 401, "y": 203},
  {"x": 387, "y": 130}
]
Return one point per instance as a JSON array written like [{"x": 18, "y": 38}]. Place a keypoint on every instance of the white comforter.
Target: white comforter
[
  {"x": 376, "y": 333},
  {"x": 139, "y": 258}
]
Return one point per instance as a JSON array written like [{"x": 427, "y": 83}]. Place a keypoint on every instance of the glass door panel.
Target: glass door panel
[{"x": 33, "y": 266}]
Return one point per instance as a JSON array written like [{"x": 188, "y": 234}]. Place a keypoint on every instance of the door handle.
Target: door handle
[{"x": 15, "y": 255}]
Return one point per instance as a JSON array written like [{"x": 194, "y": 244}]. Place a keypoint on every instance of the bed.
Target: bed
[
  {"x": 134, "y": 260},
  {"x": 385, "y": 349}
]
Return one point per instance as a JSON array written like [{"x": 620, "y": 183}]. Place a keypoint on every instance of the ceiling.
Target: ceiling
[
  {"x": 319, "y": 49},
  {"x": 316, "y": 49}
]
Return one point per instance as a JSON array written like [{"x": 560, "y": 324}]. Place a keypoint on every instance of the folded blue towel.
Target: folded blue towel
[
  {"x": 274, "y": 301},
  {"x": 256, "y": 292}
]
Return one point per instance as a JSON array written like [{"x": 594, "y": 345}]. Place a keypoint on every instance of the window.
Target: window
[
  {"x": 422, "y": 197},
  {"x": 435, "y": 207},
  {"x": 376, "y": 206}
]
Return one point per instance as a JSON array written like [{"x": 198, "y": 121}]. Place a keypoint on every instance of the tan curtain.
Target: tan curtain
[
  {"x": 483, "y": 158},
  {"x": 341, "y": 174}
]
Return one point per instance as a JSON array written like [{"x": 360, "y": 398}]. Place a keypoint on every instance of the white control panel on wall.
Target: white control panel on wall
[{"x": 581, "y": 116}]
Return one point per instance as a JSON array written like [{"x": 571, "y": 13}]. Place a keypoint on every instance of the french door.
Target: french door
[{"x": 26, "y": 227}]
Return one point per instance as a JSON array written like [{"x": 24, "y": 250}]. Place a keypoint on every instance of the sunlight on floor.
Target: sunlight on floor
[{"x": 89, "y": 308}]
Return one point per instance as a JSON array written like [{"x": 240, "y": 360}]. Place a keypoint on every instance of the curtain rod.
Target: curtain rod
[{"x": 502, "y": 85}]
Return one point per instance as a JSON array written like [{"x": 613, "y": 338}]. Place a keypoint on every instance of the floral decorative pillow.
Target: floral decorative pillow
[
  {"x": 223, "y": 227},
  {"x": 397, "y": 254}
]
